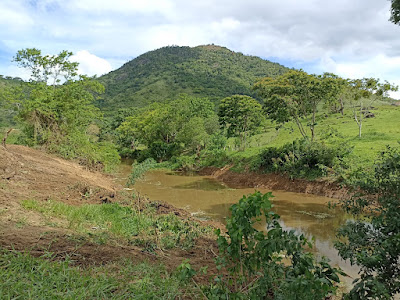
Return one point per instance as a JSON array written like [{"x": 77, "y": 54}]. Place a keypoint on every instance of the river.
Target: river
[{"x": 206, "y": 197}]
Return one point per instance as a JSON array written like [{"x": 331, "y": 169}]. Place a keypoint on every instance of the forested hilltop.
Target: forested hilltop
[{"x": 203, "y": 71}]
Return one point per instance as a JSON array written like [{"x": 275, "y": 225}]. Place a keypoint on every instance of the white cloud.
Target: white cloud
[
  {"x": 350, "y": 37},
  {"x": 14, "y": 16},
  {"x": 379, "y": 66},
  {"x": 90, "y": 64}
]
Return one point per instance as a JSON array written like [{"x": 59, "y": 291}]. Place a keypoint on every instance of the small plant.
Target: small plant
[
  {"x": 185, "y": 272},
  {"x": 139, "y": 169}
]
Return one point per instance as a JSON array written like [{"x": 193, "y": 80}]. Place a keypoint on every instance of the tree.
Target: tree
[
  {"x": 372, "y": 239},
  {"x": 395, "y": 12},
  {"x": 296, "y": 95},
  {"x": 51, "y": 110},
  {"x": 56, "y": 107},
  {"x": 362, "y": 93},
  {"x": 241, "y": 116},
  {"x": 185, "y": 123}
]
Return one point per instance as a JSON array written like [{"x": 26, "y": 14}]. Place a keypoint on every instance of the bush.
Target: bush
[
  {"x": 372, "y": 239},
  {"x": 94, "y": 155},
  {"x": 253, "y": 260},
  {"x": 303, "y": 158}
]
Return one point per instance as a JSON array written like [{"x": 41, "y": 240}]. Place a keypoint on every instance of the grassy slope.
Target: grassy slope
[
  {"x": 378, "y": 132},
  {"x": 203, "y": 71}
]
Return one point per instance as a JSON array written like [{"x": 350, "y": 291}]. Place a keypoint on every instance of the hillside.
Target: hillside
[
  {"x": 205, "y": 71},
  {"x": 69, "y": 225}
]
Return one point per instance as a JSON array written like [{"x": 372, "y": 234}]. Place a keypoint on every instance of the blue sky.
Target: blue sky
[{"x": 350, "y": 38}]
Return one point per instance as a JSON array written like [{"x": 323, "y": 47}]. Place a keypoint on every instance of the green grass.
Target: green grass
[
  {"x": 25, "y": 277},
  {"x": 124, "y": 224},
  {"x": 377, "y": 132}
]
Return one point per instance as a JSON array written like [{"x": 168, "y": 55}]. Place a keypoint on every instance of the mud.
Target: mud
[{"x": 276, "y": 182}]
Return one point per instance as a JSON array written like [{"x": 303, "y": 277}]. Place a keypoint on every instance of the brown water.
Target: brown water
[{"x": 206, "y": 197}]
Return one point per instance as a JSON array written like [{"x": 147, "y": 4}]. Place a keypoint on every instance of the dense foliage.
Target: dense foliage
[
  {"x": 7, "y": 111},
  {"x": 56, "y": 111},
  {"x": 254, "y": 259},
  {"x": 204, "y": 71},
  {"x": 185, "y": 125},
  {"x": 303, "y": 158},
  {"x": 240, "y": 116},
  {"x": 372, "y": 240},
  {"x": 395, "y": 12}
]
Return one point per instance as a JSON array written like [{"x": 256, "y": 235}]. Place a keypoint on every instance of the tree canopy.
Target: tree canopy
[
  {"x": 296, "y": 95},
  {"x": 56, "y": 107},
  {"x": 241, "y": 116},
  {"x": 395, "y": 12}
]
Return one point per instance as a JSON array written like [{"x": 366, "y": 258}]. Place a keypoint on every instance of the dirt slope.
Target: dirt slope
[{"x": 26, "y": 173}]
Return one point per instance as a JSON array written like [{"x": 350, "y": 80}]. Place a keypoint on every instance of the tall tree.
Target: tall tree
[
  {"x": 362, "y": 93},
  {"x": 296, "y": 95},
  {"x": 56, "y": 109},
  {"x": 57, "y": 101},
  {"x": 241, "y": 116}
]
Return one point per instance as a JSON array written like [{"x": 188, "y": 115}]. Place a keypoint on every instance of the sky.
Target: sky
[{"x": 353, "y": 39}]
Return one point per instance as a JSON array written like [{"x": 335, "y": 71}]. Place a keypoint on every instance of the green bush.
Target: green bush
[
  {"x": 254, "y": 260},
  {"x": 303, "y": 158},
  {"x": 95, "y": 155},
  {"x": 138, "y": 169},
  {"x": 372, "y": 239}
]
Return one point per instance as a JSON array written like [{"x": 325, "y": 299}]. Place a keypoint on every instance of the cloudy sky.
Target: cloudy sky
[{"x": 352, "y": 38}]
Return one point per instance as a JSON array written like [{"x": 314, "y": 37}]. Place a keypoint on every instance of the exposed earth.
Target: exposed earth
[{"x": 28, "y": 174}]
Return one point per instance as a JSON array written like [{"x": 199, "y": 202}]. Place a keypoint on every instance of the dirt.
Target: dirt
[
  {"x": 31, "y": 174},
  {"x": 276, "y": 182}
]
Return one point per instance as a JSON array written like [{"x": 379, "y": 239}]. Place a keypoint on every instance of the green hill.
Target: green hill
[{"x": 205, "y": 71}]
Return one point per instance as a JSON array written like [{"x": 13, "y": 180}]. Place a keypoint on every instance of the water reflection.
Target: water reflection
[{"x": 202, "y": 195}]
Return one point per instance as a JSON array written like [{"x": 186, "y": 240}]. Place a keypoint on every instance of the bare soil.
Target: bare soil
[
  {"x": 276, "y": 182},
  {"x": 26, "y": 173}
]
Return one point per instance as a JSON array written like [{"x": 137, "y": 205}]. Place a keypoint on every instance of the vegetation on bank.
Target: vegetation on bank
[{"x": 27, "y": 277}]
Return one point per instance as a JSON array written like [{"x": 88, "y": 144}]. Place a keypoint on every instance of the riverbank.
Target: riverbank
[
  {"x": 275, "y": 182},
  {"x": 65, "y": 219}
]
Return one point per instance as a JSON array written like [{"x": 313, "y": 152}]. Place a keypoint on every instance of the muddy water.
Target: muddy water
[{"x": 205, "y": 197}]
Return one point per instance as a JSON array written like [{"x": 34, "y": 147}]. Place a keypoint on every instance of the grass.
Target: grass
[
  {"x": 26, "y": 277},
  {"x": 378, "y": 132},
  {"x": 124, "y": 224}
]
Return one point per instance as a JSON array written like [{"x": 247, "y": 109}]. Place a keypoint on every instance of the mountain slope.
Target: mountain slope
[{"x": 205, "y": 71}]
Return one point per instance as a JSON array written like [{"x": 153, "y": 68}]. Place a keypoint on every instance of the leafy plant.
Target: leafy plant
[
  {"x": 303, "y": 158},
  {"x": 254, "y": 260},
  {"x": 139, "y": 169},
  {"x": 372, "y": 240}
]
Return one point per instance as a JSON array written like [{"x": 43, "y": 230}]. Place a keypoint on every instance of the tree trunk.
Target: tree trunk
[
  {"x": 312, "y": 125},
  {"x": 341, "y": 106},
  {"x": 5, "y": 137}
]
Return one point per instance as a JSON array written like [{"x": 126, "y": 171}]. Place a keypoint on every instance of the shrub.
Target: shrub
[
  {"x": 303, "y": 158},
  {"x": 254, "y": 260},
  {"x": 372, "y": 240}
]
